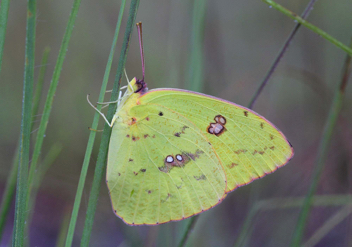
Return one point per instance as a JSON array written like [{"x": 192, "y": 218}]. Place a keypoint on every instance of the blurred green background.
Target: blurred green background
[{"x": 241, "y": 40}]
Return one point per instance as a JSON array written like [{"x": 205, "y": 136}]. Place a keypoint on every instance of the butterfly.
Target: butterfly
[{"x": 175, "y": 153}]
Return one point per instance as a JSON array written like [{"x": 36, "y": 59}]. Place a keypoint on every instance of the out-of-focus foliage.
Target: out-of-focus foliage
[{"x": 241, "y": 39}]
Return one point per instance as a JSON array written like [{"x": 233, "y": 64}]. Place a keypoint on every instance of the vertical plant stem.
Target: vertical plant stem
[
  {"x": 60, "y": 241},
  {"x": 52, "y": 89},
  {"x": 101, "y": 160},
  {"x": 190, "y": 226},
  {"x": 246, "y": 226},
  {"x": 308, "y": 25},
  {"x": 4, "y": 12},
  {"x": 323, "y": 151},
  {"x": 195, "y": 73},
  {"x": 195, "y": 82},
  {"x": 77, "y": 203},
  {"x": 243, "y": 233},
  {"x": 11, "y": 178},
  {"x": 22, "y": 174},
  {"x": 40, "y": 82},
  {"x": 280, "y": 55}
]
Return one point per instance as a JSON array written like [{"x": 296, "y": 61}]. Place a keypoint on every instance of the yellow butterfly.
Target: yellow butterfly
[{"x": 175, "y": 153}]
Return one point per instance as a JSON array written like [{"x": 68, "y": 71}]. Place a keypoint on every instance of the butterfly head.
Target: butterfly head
[{"x": 137, "y": 86}]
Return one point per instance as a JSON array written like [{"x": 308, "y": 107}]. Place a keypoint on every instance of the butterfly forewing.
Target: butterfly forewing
[
  {"x": 161, "y": 167},
  {"x": 247, "y": 144}
]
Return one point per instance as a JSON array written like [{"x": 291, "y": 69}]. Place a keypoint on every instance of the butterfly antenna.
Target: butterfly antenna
[{"x": 139, "y": 28}]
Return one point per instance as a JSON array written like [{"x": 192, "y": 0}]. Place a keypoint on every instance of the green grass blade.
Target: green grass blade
[
  {"x": 309, "y": 26},
  {"x": 246, "y": 226},
  {"x": 281, "y": 54},
  {"x": 195, "y": 70},
  {"x": 101, "y": 160},
  {"x": 11, "y": 178},
  {"x": 8, "y": 193},
  {"x": 289, "y": 203},
  {"x": 323, "y": 150},
  {"x": 195, "y": 82},
  {"x": 253, "y": 195},
  {"x": 40, "y": 82},
  {"x": 333, "y": 221},
  {"x": 92, "y": 134},
  {"x": 52, "y": 89},
  {"x": 22, "y": 174},
  {"x": 60, "y": 242},
  {"x": 49, "y": 159},
  {"x": 4, "y": 12},
  {"x": 191, "y": 223}
]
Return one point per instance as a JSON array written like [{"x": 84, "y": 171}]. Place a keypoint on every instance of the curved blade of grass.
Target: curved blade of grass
[
  {"x": 247, "y": 223},
  {"x": 52, "y": 89},
  {"x": 281, "y": 54},
  {"x": 22, "y": 174},
  {"x": 328, "y": 226},
  {"x": 288, "y": 203},
  {"x": 101, "y": 160},
  {"x": 309, "y": 26},
  {"x": 11, "y": 178},
  {"x": 323, "y": 150},
  {"x": 4, "y": 12},
  {"x": 82, "y": 179}
]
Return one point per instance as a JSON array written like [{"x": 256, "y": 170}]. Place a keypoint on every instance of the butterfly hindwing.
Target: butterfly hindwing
[
  {"x": 248, "y": 145},
  {"x": 161, "y": 167}
]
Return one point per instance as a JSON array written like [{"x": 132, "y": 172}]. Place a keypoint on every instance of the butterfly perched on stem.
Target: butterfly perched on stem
[{"x": 175, "y": 153}]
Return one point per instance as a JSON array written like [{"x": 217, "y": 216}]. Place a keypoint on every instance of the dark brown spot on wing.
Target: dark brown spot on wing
[
  {"x": 262, "y": 125},
  {"x": 201, "y": 177},
  {"x": 232, "y": 165},
  {"x": 240, "y": 151},
  {"x": 143, "y": 170},
  {"x": 130, "y": 159},
  {"x": 245, "y": 113},
  {"x": 271, "y": 137}
]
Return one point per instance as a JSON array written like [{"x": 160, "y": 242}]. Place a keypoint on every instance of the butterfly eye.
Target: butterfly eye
[{"x": 169, "y": 159}]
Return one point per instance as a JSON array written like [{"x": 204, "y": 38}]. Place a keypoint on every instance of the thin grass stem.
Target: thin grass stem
[
  {"x": 52, "y": 89},
  {"x": 101, "y": 160},
  {"x": 78, "y": 197},
  {"x": 40, "y": 82},
  {"x": 11, "y": 178},
  {"x": 22, "y": 174},
  {"x": 280, "y": 55},
  {"x": 323, "y": 150},
  {"x": 195, "y": 79},
  {"x": 333, "y": 221},
  {"x": 195, "y": 70},
  {"x": 4, "y": 12},
  {"x": 288, "y": 203},
  {"x": 308, "y": 25},
  {"x": 191, "y": 223}
]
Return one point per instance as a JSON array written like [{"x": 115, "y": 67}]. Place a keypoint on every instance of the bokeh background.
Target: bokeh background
[{"x": 241, "y": 40}]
